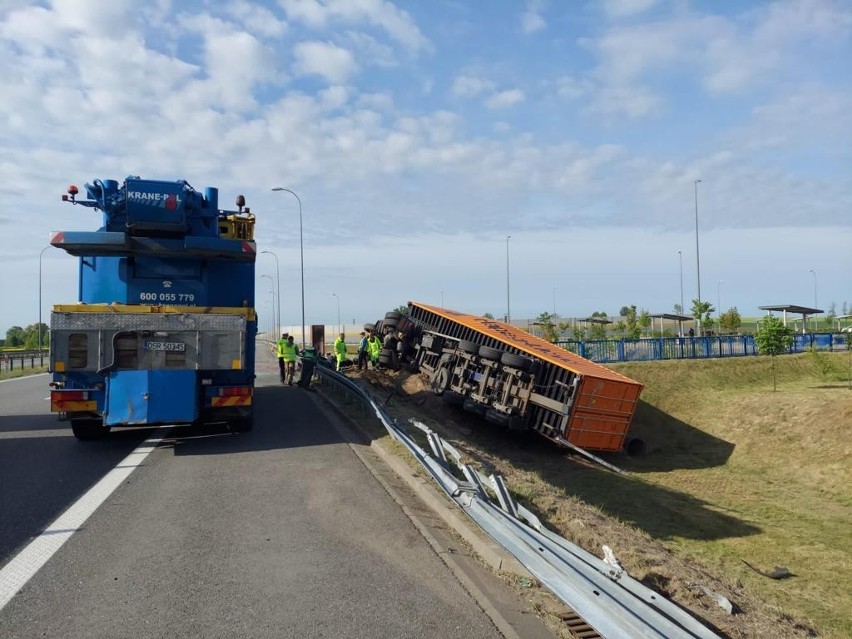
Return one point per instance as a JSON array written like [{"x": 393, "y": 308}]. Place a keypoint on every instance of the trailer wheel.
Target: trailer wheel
[
  {"x": 388, "y": 323},
  {"x": 516, "y": 361},
  {"x": 88, "y": 429},
  {"x": 469, "y": 347},
  {"x": 369, "y": 327},
  {"x": 453, "y": 398},
  {"x": 487, "y": 352},
  {"x": 393, "y": 315},
  {"x": 473, "y": 407}
]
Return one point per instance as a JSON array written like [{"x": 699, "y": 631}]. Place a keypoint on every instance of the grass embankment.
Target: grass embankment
[
  {"x": 733, "y": 471},
  {"x": 22, "y": 372},
  {"x": 751, "y": 474}
]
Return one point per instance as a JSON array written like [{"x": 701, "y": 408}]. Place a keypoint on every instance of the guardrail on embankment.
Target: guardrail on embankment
[
  {"x": 613, "y": 604},
  {"x": 21, "y": 360}
]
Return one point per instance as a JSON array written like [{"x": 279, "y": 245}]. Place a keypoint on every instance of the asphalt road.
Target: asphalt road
[{"x": 280, "y": 532}]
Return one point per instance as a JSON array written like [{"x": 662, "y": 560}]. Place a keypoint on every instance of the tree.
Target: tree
[
  {"x": 624, "y": 311},
  {"x": 548, "y": 328},
  {"x": 402, "y": 310},
  {"x": 488, "y": 316},
  {"x": 644, "y": 320},
  {"x": 701, "y": 312},
  {"x": 730, "y": 321},
  {"x": 773, "y": 338},
  {"x": 832, "y": 312},
  {"x": 631, "y": 323},
  {"x": 15, "y": 336},
  {"x": 678, "y": 309}
]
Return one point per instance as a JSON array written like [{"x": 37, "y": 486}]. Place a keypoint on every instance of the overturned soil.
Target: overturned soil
[{"x": 540, "y": 477}]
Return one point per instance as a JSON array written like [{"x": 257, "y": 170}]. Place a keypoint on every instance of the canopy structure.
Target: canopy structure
[
  {"x": 680, "y": 319},
  {"x": 804, "y": 311}
]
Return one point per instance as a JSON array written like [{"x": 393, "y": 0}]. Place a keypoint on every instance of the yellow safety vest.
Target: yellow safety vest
[
  {"x": 279, "y": 347},
  {"x": 289, "y": 352}
]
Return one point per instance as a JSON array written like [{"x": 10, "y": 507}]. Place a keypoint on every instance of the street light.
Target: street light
[
  {"x": 508, "y": 312},
  {"x": 41, "y": 357},
  {"x": 301, "y": 256},
  {"x": 719, "y": 298},
  {"x": 810, "y": 270},
  {"x": 338, "y": 312},
  {"x": 275, "y": 323},
  {"x": 278, "y": 286},
  {"x": 697, "y": 258},
  {"x": 682, "y": 309}
]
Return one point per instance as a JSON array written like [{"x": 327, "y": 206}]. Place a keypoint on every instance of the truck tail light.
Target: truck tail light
[{"x": 69, "y": 396}]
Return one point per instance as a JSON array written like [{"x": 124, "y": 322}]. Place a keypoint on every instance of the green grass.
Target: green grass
[
  {"x": 22, "y": 372},
  {"x": 773, "y": 471}
]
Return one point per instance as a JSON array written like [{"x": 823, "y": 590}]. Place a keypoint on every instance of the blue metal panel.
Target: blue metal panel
[
  {"x": 103, "y": 279},
  {"x": 150, "y": 397}
]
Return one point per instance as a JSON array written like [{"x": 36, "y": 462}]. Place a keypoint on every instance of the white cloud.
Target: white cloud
[
  {"x": 468, "y": 86},
  {"x": 531, "y": 19},
  {"x": 380, "y": 13},
  {"x": 256, "y": 19},
  {"x": 370, "y": 51},
  {"x": 505, "y": 99},
  {"x": 325, "y": 59},
  {"x": 622, "y": 8}
]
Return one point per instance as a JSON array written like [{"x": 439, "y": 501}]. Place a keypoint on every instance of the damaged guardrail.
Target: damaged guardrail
[{"x": 599, "y": 590}]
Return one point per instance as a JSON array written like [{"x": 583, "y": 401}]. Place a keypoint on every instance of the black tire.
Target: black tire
[
  {"x": 440, "y": 381},
  {"x": 516, "y": 361},
  {"x": 393, "y": 315},
  {"x": 370, "y": 327},
  {"x": 241, "y": 424},
  {"x": 469, "y": 347},
  {"x": 474, "y": 407},
  {"x": 486, "y": 352},
  {"x": 88, "y": 429},
  {"x": 453, "y": 398}
]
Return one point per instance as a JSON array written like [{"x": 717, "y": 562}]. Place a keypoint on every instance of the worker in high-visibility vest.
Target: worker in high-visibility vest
[
  {"x": 340, "y": 350},
  {"x": 290, "y": 354},
  {"x": 375, "y": 346},
  {"x": 279, "y": 353}
]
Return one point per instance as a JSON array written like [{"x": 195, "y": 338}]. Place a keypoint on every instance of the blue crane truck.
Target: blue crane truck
[{"x": 164, "y": 328}]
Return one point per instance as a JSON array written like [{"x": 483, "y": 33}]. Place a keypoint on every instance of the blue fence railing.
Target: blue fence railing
[{"x": 656, "y": 348}]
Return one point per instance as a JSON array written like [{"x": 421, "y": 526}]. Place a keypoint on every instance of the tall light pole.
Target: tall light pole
[
  {"x": 278, "y": 286},
  {"x": 39, "y": 302},
  {"x": 301, "y": 256},
  {"x": 682, "y": 309},
  {"x": 813, "y": 272},
  {"x": 719, "y": 298},
  {"x": 275, "y": 323},
  {"x": 697, "y": 258},
  {"x": 508, "y": 311},
  {"x": 340, "y": 326}
]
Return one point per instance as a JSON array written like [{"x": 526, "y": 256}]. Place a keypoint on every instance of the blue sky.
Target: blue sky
[{"x": 419, "y": 135}]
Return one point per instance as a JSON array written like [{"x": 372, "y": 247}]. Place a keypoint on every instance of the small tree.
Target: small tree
[
  {"x": 548, "y": 328},
  {"x": 678, "y": 309},
  {"x": 730, "y": 321},
  {"x": 773, "y": 338},
  {"x": 701, "y": 312},
  {"x": 488, "y": 316},
  {"x": 402, "y": 310},
  {"x": 624, "y": 311},
  {"x": 644, "y": 321}
]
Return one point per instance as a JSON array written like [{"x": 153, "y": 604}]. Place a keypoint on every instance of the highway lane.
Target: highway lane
[{"x": 280, "y": 532}]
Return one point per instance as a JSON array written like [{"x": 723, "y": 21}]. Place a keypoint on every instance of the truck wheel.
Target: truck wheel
[
  {"x": 516, "y": 361},
  {"x": 393, "y": 315},
  {"x": 467, "y": 346},
  {"x": 473, "y": 407},
  {"x": 440, "y": 381},
  {"x": 486, "y": 352},
  {"x": 453, "y": 398},
  {"x": 241, "y": 424},
  {"x": 88, "y": 429}
]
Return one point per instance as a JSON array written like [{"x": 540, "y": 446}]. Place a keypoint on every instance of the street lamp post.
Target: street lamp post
[
  {"x": 40, "y": 356},
  {"x": 339, "y": 325},
  {"x": 813, "y": 272},
  {"x": 301, "y": 256},
  {"x": 508, "y": 311},
  {"x": 719, "y": 298},
  {"x": 682, "y": 309},
  {"x": 275, "y": 323},
  {"x": 697, "y": 258},
  {"x": 278, "y": 286}
]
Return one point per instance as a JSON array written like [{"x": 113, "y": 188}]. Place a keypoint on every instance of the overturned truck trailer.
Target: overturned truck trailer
[{"x": 515, "y": 379}]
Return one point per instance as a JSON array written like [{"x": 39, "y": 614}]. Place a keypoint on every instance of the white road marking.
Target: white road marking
[
  {"x": 15, "y": 379},
  {"x": 38, "y": 552}
]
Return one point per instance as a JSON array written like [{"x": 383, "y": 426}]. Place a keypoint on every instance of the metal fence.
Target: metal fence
[
  {"x": 658, "y": 348},
  {"x": 19, "y": 360}
]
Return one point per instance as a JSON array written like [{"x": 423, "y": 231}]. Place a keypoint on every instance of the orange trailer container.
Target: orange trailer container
[{"x": 563, "y": 396}]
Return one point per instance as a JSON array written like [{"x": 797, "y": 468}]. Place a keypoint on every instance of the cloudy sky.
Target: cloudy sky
[{"x": 420, "y": 135}]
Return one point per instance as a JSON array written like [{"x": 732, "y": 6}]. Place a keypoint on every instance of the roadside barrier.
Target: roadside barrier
[{"x": 599, "y": 590}]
